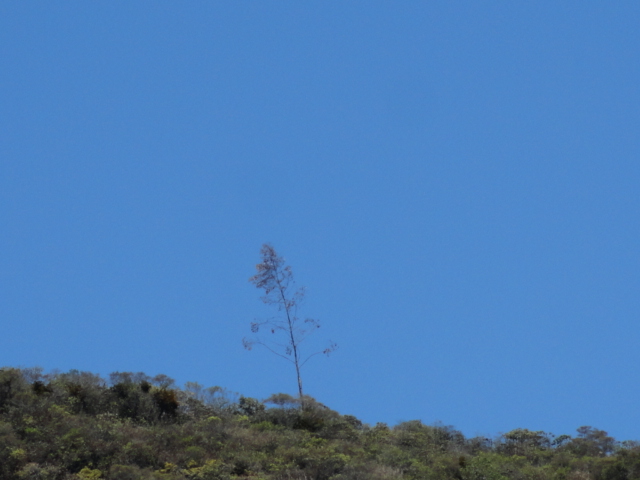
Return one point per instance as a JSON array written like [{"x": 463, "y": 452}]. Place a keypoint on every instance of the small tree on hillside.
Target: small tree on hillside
[{"x": 288, "y": 330}]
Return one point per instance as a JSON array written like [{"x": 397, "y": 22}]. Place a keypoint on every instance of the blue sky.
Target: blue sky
[{"x": 455, "y": 183}]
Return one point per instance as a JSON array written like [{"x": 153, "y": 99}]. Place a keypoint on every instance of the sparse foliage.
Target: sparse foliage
[{"x": 287, "y": 330}]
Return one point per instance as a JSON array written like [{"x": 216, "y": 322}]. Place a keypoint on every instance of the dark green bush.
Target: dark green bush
[{"x": 76, "y": 426}]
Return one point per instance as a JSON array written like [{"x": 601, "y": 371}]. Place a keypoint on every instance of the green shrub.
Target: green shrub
[
  {"x": 88, "y": 474},
  {"x": 33, "y": 471},
  {"x": 128, "y": 472}
]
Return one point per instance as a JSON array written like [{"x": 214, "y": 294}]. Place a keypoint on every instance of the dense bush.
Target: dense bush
[{"x": 77, "y": 426}]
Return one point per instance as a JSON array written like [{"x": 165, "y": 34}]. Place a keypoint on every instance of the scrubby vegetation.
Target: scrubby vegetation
[{"x": 76, "y": 425}]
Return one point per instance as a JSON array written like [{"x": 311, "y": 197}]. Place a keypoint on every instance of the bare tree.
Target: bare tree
[{"x": 288, "y": 330}]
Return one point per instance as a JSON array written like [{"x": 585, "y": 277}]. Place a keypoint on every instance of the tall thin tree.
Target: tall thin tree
[{"x": 275, "y": 277}]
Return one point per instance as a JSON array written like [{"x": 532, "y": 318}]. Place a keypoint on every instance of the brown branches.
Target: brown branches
[{"x": 288, "y": 329}]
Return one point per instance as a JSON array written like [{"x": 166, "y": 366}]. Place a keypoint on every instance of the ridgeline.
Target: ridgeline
[{"x": 77, "y": 425}]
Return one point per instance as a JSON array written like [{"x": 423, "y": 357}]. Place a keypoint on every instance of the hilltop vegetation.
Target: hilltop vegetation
[{"x": 76, "y": 425}]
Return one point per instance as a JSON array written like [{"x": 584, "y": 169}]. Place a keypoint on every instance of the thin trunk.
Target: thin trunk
[
  {"x": 294, "y": 345},
  {"x": 299, "y": 385}
]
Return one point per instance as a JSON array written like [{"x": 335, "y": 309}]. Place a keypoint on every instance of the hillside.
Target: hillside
[{"x": 77, "y": 425}]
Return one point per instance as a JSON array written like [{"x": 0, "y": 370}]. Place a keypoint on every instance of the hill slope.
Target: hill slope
[{"x": 76, "y": 425}]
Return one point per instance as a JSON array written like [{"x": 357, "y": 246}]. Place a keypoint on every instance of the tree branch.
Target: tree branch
[{"x": 273, "y": 351}]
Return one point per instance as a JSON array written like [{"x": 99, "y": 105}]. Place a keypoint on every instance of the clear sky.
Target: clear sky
[{"x": 455, "y": 183}]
